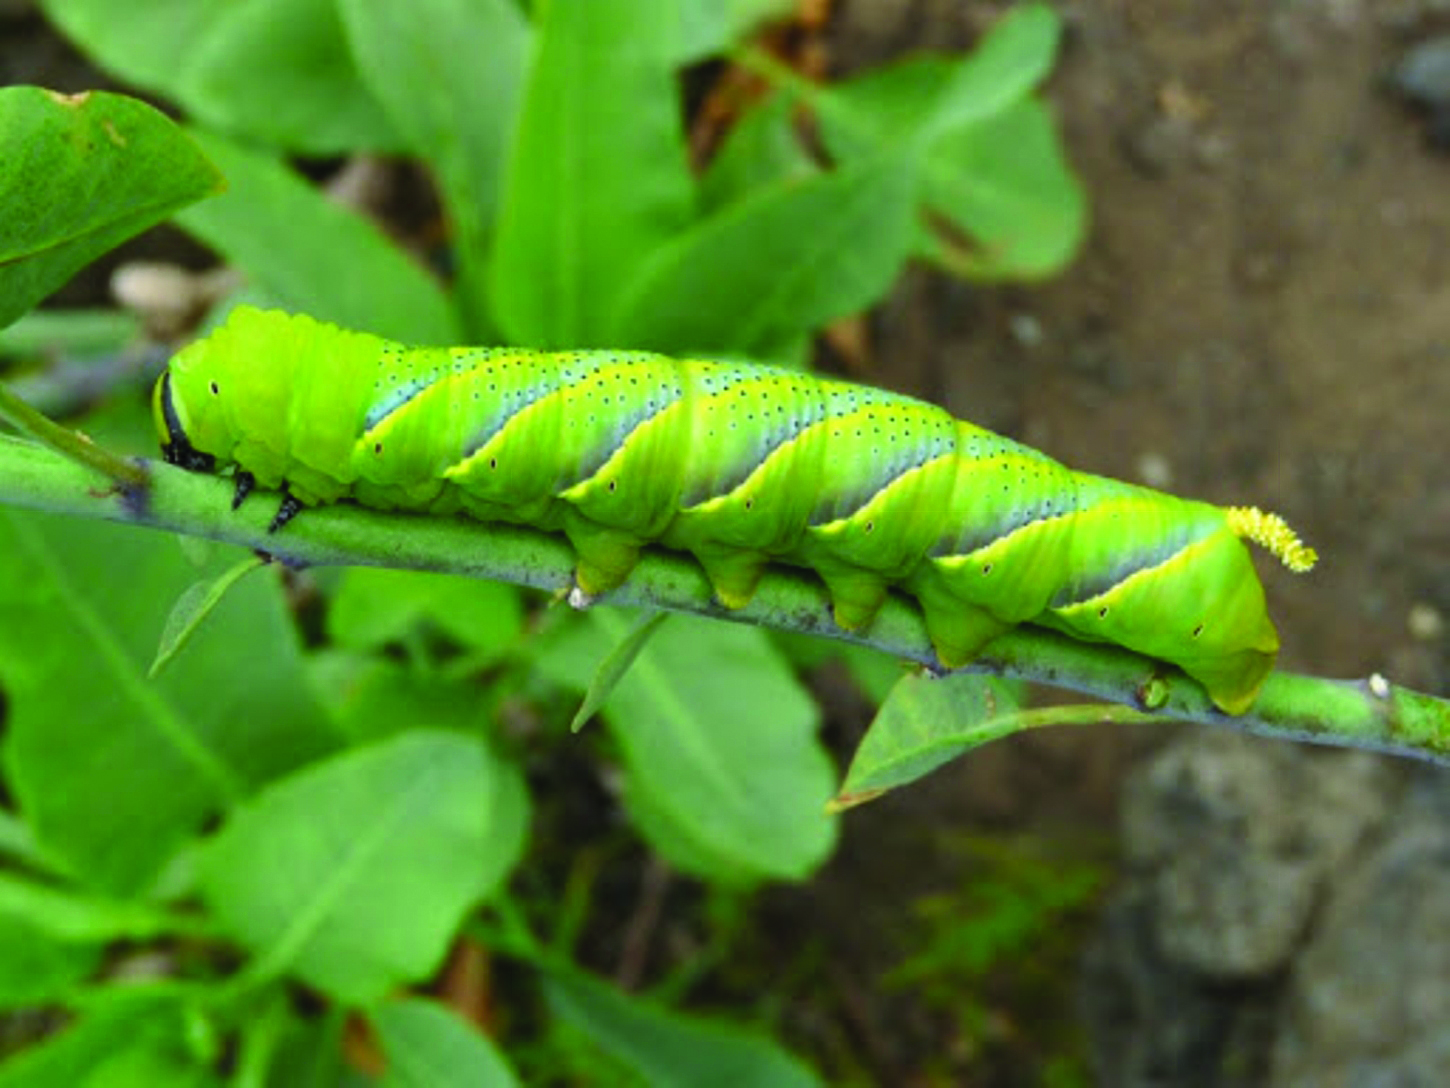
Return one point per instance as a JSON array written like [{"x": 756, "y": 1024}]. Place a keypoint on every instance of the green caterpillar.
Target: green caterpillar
[{"x": 740, "y": 466}]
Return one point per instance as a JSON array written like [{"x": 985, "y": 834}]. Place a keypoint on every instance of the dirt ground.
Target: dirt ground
[{"x": 1261, "y": 313}]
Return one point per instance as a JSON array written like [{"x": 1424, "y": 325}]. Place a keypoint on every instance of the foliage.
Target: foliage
[
  {"x": 996, "y": 949},
  {"x": 273, "y": 817}
]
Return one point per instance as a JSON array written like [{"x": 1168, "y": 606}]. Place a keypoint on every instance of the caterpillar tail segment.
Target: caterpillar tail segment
[{"x": 1272, "y": 533}]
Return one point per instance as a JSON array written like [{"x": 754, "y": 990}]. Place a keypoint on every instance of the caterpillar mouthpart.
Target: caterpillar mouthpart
[{"x": 1272, "y": 533}]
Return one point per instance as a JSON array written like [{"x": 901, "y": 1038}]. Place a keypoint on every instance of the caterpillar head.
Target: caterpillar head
[
  {"x": 226, "y": 393},
  {"x": 171, "y": 424}
]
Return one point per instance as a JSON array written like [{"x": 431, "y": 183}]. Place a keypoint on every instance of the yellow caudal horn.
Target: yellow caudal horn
[{"x": 1272, "y": 533}]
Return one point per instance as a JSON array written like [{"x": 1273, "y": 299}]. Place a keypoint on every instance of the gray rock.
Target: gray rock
[
  {"x": 1368, "y": 1004},
  {"x": 1232, "y": 844},
  {"x": 1422, "y": 78},
  {"x": 1154, "y": 1025},
  {"x": 1234, "y": 839},
  {"x": 1423, "y": 74}
]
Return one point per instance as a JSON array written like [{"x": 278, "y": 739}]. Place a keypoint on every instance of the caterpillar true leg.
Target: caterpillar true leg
[
  {"x": 291, "y": 506},
  {"x": 245, "y": 482}
]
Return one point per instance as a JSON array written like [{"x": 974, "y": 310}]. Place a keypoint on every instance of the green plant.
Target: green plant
[
  {"x": 272, "y": 820},
  {"x": 991, "y": 955},
  {"x": 302, "y": 836}
]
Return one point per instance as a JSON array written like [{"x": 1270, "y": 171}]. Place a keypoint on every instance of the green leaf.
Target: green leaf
[
  {"x": 52, "y": 939},
  {"x": 277, "y": 70},
  {"x": 71, "y": 332},
  {"x": 779, "y": 264},
  {"x": 74, "y": 918},
  {"x": 309, "y": 1054},
  {"x": 723, "y": 771},
  {"x": 669, "y": 1049},
  {"x": 135, "y": 1041},
  {"x": 314, "y": 255},
  {"x": 612, "y": 669},
  {"x": 353, "y": 874},
  {"x": 1005, "y": 183},
  {"x": 427, "y": 1046},
  {"x": 999, "y": 179},
  {"x": 114, "y": 772},
  {"x": 708, "y": 27},
  {"x": 763, "y": 149},
  {"x": 598, "y": 175},
  {"x": 35, "y": 968},
  {"x": 376, "y": 697},
  {"x": 570, "y": 645},
  {"x": 195, "y": 604},
  {"x": 82, "y": 174},
  {"x": 450, "y": 74},
  {"x": 924, "y": 723},
  {"x": 1005, "y": 66},
  {"x": 374, "y": 607}
]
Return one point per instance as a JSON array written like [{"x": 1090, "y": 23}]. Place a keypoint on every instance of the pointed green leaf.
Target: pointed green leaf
[
  {"x": 999, "y": 180},
  {"x": 374, "y": 607},
  {"x": 36, "y": 968},
  {"x": 314, "y": 255},
  {"x": 612, "y": 669},
  {"x": 51, "y": 939},
  {"x": 354, "y": 874},
  {"x": 427, "y": 1046},
  {"x": 723, "y": 771},
  {"x": 131, "y": 1041},
  {"x": 667, "y": 1049},
  {"x": 1005, "y": 66},
  {"x": 925, "y": 722},
  {"x": 1006, "y": 184},
  {"x": 72, "y": 917},
  {"x": 708, "y": 27},
  {"x": 82, "y": 174},
  {"x": 194, "y": 605},
  {"x": 111, "y": 771},
  {"x": 779, "y": 264},
  {"x": 762, "y": 150},
  {"x": 598, "y": 175},
  {"x": 72, "y": 331},
  {"x": 450, "y": 74},
  {"x": 276, "y": 70}
]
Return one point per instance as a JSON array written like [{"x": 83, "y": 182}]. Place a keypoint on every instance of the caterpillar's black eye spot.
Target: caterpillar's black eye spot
[
  {"x": 749, "y": 504},
  {"x": 1103, "y": 612},
  {"x": 870, "y": 526},
  {"x": 613, "y": 485},
  {"x": 493, "y": 462},
  {"x": 214, "y": 389},
  {"x": 986, "y": 569},
  {"x": 378, "y": 447},
  {"x": 1198, "y": 630}
]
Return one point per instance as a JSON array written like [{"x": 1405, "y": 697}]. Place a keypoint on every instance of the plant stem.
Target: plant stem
[
  {"x": 1372, "y": 713},
  {"x": 68, "y": 443}
]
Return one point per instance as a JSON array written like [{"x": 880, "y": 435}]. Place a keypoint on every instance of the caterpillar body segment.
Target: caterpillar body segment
[{"x": 741, "y": 466}]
